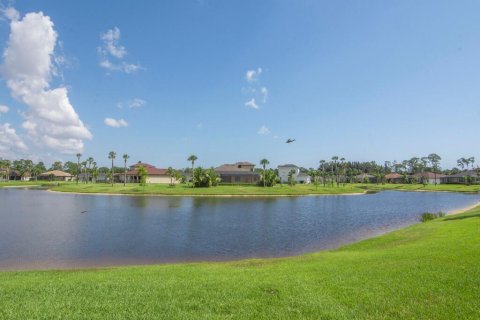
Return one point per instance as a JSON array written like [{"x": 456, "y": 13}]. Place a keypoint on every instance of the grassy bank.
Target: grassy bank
[
  {"x": 163, "y": 189},
  {"x": 421, "y": 187},
  {"x": 427, "y": 271},
  {"x": 25, "y": 183},
  {"x": 182, "y": 189}
]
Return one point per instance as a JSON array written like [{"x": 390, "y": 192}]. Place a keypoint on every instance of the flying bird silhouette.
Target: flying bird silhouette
[{"x": 290, "y": 140}]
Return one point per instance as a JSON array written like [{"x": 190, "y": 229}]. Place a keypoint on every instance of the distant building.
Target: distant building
[
  {"x": 155, "y": 175},
  {"x": 15, "y": 175},
  {"x": 55, "y": 175},
  {"x": 395, "y": 178},
  {"x": 365, "y": 178},
  {"x": 238, "y": 173},
  {"x": 428, "y": 177},
  {"x": 468, "y": 176},
  {"x": 284, "y": 171}
]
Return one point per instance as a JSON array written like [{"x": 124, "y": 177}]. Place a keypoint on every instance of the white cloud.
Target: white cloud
[
  {"x": 264, "y": 93},
  {"x": 110, "y": 43},
  {"x": 264, "y": 130},
  {"x": 122, "y": 66},
  {"x": 132, "y": 104},
  {"x": 10, "y": 143},
  {"x": 112, "y": 48},
  {"x": 136, "y": 103},
  {"x": 252, "y": 104},
  {"x": 3, "y": 108},
  {"x": 114, "y": 123},
  {"x": 10, "y": 13},
  {"x": 252, "y": 75},
  {"x": 51, "y": 120}
]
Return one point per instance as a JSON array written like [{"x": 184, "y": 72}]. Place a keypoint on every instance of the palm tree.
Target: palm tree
[
  {"x": 125, "y": 158},
  {"x": 192, "y": 159},
  {"x": 90, "y": 161},
  {"x": 112, "y": 155},
  {"x": 435, "y": 161},
  {"x": 78, "y": 165},
  {"x": 322, "y": 164},
  {"x": 264, "y": 163},
  {"x": 334, "y": 169},
  {"x": 343, "y": 166},
  {"x": 94, "y": 172}
]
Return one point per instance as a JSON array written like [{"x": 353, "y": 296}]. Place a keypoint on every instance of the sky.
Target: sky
[{"x": 232, "y": 80}]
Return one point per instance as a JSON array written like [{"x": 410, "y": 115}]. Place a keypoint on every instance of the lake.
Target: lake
[{"x": 41, "y": 229}]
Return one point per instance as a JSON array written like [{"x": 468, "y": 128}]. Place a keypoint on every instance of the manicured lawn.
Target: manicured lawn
[
  {"x": 25, "y": 183},
  {"x": 427, "y": 271},
  {"x": 182, "y": 189}
]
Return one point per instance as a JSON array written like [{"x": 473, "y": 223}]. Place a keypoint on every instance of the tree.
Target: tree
[
  {"x": 112, "y": 155},
  {"x": 313, "y": 174},
  {"x": 143, "y": 175},
  {"x": 291, "y": 177},
  {"x": 264, "y": 163},
  {"x": 78, "y": 165},
  {"x": 462, "y": 162},
  {"x": 94, "y": 172},
  {"x": 90, "y": 161},
  {"x": 269, "y": 178},
  {"x": 324, "y": 172},
  {"x": 435, "y": 161},
  {"x": 70, "y": 167},
  {"x": 38, "y": 169},
  {"x": 125, "y": 158},
  {"x": 192, "y": 159},
  {"x": 57, "y": 165},
  {"x": 205, "y": 177},
  {"x": 174, "y": 174},
  {"x": 334, "y": 169}
]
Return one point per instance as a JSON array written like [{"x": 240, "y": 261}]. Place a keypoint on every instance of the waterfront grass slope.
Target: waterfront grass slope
[
  {"x": 238, "y": 190},
  {"x": 427, "y": 271}
]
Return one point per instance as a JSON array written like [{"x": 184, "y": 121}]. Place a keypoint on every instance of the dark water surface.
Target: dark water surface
[{"x": 40, "y": 229}]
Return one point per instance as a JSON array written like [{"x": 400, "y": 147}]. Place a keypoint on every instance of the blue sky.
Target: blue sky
[{"x": 376, "y": 80}]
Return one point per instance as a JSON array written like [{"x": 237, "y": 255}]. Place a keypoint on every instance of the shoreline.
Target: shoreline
[{"x": 210, "y": 195}]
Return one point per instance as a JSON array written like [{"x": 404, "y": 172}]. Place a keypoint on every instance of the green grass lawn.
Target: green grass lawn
[
  {"x": 426, "y": 271},
  {"x": 421, "y": 187},
  {"x": 299, "y": 189},
  {"x": 25, "y": 183},
  {"x": 183, "y": 189}
]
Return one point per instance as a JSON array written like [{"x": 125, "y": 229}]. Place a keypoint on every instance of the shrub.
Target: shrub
[{"x": 428, "y": 216}]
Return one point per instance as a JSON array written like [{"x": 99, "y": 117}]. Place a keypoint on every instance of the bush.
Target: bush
[{"x": 428, "y": 216}]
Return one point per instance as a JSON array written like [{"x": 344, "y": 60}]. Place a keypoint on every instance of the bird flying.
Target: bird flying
[{"x": 290, "y": 140}]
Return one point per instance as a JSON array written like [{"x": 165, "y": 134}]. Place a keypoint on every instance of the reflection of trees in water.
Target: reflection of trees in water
[
  {"x": 165, "y": 202},
  {"x": 141, "y": 202},
  {"x": 199, "y": 202}
]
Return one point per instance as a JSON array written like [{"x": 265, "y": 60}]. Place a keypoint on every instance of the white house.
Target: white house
[{"x": 285, "y": 169}]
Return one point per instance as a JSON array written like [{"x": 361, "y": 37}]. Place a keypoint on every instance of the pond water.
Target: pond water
[{"x": 41, "y": 229}]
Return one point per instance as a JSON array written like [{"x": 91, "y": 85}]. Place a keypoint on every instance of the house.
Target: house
[
  {"x": 300, "y": 177},
  {"x": 55, "y": 175},
  {"x": 16, "y": 175},
  {"x": 395, "y": 178},
  {"x": 238, "y": 173},
  {"x": 428, "y": 177},
  {"x": 468, "y": 176},
  {"x": 154, "y": 174},
  {"x": 101, "y": 177},
  {"x": 365, "y": 178}
]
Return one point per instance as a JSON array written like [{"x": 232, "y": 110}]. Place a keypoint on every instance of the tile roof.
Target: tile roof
[{"x": 55, "y": 173}]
